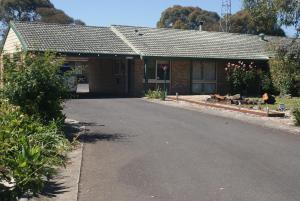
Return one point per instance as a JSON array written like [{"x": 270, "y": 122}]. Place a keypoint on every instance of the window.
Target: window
[
  {"x": 161, "y": 68},
  {"x": 209, "y": 71},
  {"x": 118, "y": 67},
  {"x": 204, "y": 77},
  {"x": 155, "y": 71},
  {"x": 151, "y": 69}
]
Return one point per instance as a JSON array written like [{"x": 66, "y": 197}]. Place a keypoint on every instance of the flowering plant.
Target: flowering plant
[{"x": 242, "y": 77}]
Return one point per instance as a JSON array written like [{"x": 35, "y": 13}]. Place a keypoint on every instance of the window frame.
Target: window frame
[
  {"x": 159, "y": 81},
  {"x": 202, "y": 81}
]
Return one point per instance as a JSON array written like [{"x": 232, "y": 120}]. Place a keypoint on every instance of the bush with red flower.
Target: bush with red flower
[{"x": 243, "y": 78}]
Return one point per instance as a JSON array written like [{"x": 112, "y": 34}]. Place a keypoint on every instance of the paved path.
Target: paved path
[{"x": 141, "y": 151}]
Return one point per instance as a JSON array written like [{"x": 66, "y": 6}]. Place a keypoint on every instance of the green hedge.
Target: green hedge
[
  {"x": 32, "y": 144},
  {"x": 36, "y": 84},
  {"x": 296, "y": 114},
  {"x": 30, "y": 151}
]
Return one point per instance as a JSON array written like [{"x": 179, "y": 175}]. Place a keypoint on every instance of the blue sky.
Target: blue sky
[{"x": 132, "y": 12}]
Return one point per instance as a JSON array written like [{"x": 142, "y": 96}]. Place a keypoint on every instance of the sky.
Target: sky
[{"x": 133, "y": 12}]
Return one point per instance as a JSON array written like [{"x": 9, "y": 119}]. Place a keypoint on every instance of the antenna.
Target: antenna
[{"x": 225, "y": 15}]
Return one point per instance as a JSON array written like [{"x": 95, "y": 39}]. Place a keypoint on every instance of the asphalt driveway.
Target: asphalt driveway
[{"x": 140, "y": 151}]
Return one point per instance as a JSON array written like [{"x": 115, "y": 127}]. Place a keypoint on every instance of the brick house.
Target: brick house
[{"x": 125, "y": 60}]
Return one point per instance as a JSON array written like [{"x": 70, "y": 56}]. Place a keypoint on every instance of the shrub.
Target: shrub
[
  {"x": 29, "y": 151},
  {"x": 34, "y": 82},
  {"x": 242, "y": 77},
  {"x": 296, "y": 113},
  {"x": 266, "y": 83},
  {"x": 156, "y": 94},
  {"x": 283, "y": 75}
]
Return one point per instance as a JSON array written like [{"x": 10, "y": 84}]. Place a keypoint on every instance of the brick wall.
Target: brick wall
[
  {"x": 222, "y": 85},
  {"x": 180, "y": 77},
  {"x": 100, "y": 76},
  {"x": 137, "y": 84}
]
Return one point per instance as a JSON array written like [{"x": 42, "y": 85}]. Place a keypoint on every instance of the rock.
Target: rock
[
  {"x": 256, "y": 107},
  {"x": 236, "y": 97}
]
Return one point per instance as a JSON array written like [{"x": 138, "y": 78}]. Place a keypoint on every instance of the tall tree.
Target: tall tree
[
  {"x": 31, "y": 10},
  {"x": 284, "y": 12},
  {"x": 52, "y": 15},
  {"x": 21, "y": 10},
  {"x": 243, "y": 22},
  {"x": 180, "y": 17},
  {"x": 263, "y": 16}
]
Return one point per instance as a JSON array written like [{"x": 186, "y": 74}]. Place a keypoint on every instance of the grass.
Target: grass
[{"x": 289, "y": 103}]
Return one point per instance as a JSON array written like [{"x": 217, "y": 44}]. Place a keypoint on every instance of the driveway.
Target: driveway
[{"x": 140, "y": 151}]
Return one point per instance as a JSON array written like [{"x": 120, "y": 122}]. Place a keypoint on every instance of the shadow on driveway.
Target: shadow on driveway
[{"x": 54, "y": 188}]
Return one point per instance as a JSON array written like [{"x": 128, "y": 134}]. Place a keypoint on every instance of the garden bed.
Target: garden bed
[{"x": 202, "y": 100}]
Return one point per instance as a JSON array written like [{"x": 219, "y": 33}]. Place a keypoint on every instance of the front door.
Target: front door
[{"x": 204, "y": 77}]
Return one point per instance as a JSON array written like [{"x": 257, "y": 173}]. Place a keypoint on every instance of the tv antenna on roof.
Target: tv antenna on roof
[{"x": 225, "y": 15}]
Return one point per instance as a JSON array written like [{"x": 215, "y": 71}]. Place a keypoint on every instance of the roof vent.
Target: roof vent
[
  {"x": 262, "y": 36},
  {"x": 138, "y": 32},
  {"x": 200, "y": 25}
]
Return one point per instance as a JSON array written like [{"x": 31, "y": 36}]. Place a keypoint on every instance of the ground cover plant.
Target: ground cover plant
[
  {"x": 156, "y": 94},
  {"x": 32, "y": 142}
]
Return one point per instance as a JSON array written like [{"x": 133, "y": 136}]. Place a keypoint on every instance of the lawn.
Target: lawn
[{"x": 289, "y": 103}]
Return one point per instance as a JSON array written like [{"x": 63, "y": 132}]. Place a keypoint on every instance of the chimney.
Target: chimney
[{"x": 200, "y": 25}]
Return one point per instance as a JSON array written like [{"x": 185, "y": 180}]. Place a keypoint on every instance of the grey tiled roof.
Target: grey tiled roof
[
  {"x": 129, "y": 40},
  {"x": 71, "y": 38},
  {"x": 193, "y": 44}
]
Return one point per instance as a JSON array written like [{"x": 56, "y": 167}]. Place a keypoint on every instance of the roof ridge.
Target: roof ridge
[
  {"x": 125, "y": 40},
  {"x": 133, "y": 26},
  {"x": 195, "y": 30},
  {"x": 58, "y": 24}
]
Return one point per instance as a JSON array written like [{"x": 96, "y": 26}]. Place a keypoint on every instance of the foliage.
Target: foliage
[
  {"x": 156, "y": 94},
  {"x": 266, "y": 83},
  {"x": 263, "y": 15},
  {"x": 282, "y": 12},
  {"x": 242, "y": 77},
  {"x": 296, "y": 113},
  {"x": 34, "y": 82},
  {"x": 248, "y": 20},
  {"x": 180, "y": 17},
  {"x": 290, "y": 103},
  {"x": 29, "y": 150},
  {"x": 283, "y": 75},
  {"x": 32, "y": 10},
  {"x": 243, "y": 22}
]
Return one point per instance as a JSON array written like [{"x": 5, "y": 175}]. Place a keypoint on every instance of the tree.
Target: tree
[
  {"x": 243, "y": 22},
  {"x": 21, "y": 10},
  {"x": 32, "y": 10},
  {"x": 52, "y": 15},
  {"x": 263, "y": 17},
  {"x": 79, "y": 22},
  {"x": 283, "y": 12},
  {"x": 35, "y": 83},
  {"x": 287, "y": 13},
  {"x": 180, "y": 17}
]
